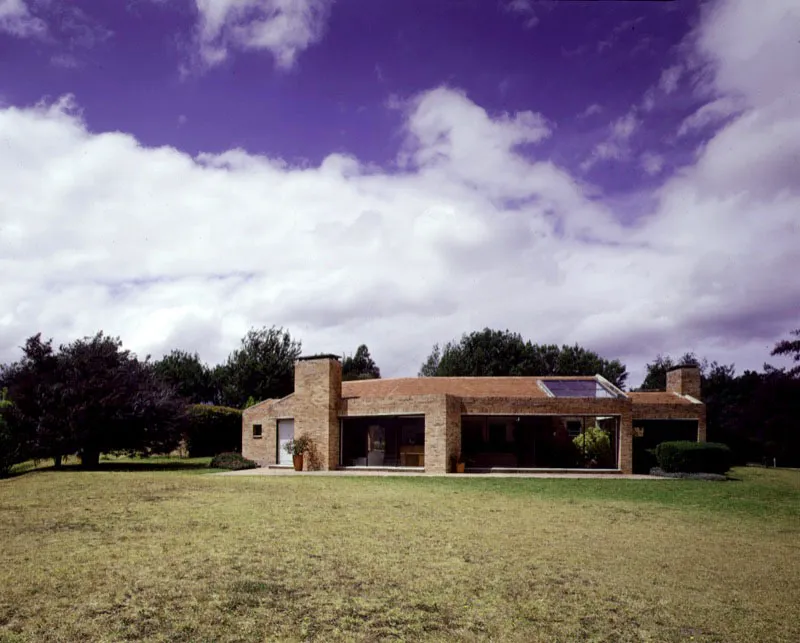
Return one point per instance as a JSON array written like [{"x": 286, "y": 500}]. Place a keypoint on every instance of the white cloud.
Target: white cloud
[
  {"x": 649, "y": 100},
  {"x": 623, "y": 128},
  {"x": 169, "y": 251},
  {"x": 754, "y": 47},
  {"x": 616, "y": 146},
  {"x": 523, "y": 8},
  {"x": 17, "y": 20},
  {"x": 652, "y": 163},
  {"x": 65, "y": 61},
  {"x": 593, "y": 109},
  {"x": 670, "y": 78},
  {"x": 709, "y": 114},
  {"x": 283, "y": 27},
  {"x": 625, "y": 27}
]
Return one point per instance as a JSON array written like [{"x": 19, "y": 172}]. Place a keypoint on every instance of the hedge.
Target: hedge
[
  {"x": 232, "y": 461},
  {"x": 213, "y": 429},
  {"x": 693, "y": 457}
]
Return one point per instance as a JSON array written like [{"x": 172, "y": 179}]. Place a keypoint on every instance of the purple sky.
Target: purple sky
[{"x": 619, "y": 174}]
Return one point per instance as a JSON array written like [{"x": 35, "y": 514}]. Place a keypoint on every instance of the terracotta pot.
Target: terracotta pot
[
  {"x": 298, "y": 462},
  {"x": 459, "y": 467}
]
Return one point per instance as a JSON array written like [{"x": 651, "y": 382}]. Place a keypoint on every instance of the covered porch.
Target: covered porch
[
  {"x": 387, "y": 441},
  {"x": 497, "y": 443}
]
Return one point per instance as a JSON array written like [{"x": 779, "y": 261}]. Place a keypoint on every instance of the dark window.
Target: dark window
[{"x": 257, "y": 430}]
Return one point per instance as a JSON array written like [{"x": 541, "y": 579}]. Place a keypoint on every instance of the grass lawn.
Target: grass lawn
[{"x": 158, "y": 555}]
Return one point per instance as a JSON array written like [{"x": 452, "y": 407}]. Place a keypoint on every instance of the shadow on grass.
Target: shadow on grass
[
  {"x": 188, "y": 465},
  {"x": 137, "y": 466}
]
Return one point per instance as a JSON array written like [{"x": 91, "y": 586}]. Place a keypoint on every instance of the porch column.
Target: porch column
[
  {"x": 701, "y": 426},
  {"x": 442, "y": 433},
  {"x": 626, "y": 443}
]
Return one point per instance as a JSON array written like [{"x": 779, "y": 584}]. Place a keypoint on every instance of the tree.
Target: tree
[
  {"x": 492, "y": 353},
  {"x": 262, "y": 367},
  {"x": 594, "y": 444},
  {"x": 361, "y": 366},
  {"x": 755, "y": 413},
  {"x": 92, "y": 397},
  {"x": 656, "y": 377},
  {"x": 431, "y": 365},
  {"x": 12, "y": 444},
  {"x": 190, "y": 378},
  {"x": 790, "y": 347},
  {"x": 35, "y": 387}
]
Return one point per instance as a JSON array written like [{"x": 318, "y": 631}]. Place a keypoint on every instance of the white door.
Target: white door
[{"x": 285, "y": 434}]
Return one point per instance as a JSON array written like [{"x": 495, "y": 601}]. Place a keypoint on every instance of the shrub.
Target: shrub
[
  {"x": 693, "y": 457},
  {"x": 12, "y": 447},
  {"x": 595, "y": 445},
  {"x": 213, "y": 429},
  {"x": 232, "y": 461},
  {"x": 298, "y": 446}
]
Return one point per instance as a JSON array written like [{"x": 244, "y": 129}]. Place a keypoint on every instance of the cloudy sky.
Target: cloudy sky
[{"x": 625, "y": 175}]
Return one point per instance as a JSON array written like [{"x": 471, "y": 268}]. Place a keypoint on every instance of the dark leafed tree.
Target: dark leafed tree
[
  {"x": 790, "y": 347},
  {"x": 491, "y": 353},
  {"x": 92, "y": 397},
  {"x": 35, "y": 387},
  {"x": 361, "y": 366},
  {"x": 13, "y": 442},
  {"x": 262, "y": 367},
  {"x": 431, "y": 365},
  {"x": 112, "y": 402},
  {"x": 190, "y": 377}
]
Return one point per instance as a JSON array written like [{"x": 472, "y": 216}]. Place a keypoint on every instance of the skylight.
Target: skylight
[{"x": 577, "y": 388}]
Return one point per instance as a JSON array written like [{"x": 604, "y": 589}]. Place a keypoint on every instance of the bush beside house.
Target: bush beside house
[
  {"x": 212, "y": 430},
  {"x": 693, "y": 457},
  {"x": 232, "y": 462},
  {"x": 594, "y": 445}
]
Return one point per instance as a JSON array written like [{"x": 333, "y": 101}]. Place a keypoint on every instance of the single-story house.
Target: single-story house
[{"x": 492, "y": 423}]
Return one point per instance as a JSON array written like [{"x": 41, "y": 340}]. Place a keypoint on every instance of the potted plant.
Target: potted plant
[
  {"x": 457, "y": 464},
  {"x": 296, "y": 448}
]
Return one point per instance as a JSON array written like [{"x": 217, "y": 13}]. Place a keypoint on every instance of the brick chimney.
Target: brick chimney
[
  {"x": 317, "y": 395},
  {"x": 684, "y": 380}
]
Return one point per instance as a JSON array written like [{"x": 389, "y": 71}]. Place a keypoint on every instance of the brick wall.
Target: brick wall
[
  {"x": 317, "y": 396},
  {"x": 316, "y": 407},
  {"x": 453, "y": 433},
  {"x": 542, "y": 406},
  {"x": 625, "y": 455},
  {"x": 674, "y": 412},
  {"x": 264, "y": 450}
]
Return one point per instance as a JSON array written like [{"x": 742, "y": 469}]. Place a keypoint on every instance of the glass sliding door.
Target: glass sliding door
[
  {"x": 376, "y": 445},
  {"x": 540, "y": 442},
  {"x": 383, "y": 441}
]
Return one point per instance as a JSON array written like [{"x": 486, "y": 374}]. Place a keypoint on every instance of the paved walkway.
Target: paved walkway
[{"x": 290, "y": 472}]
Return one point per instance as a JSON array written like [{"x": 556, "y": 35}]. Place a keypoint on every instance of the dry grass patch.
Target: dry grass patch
[{"x": 149, "y": 556}]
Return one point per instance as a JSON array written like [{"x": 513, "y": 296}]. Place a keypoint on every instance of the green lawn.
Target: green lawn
[{"x": 142, "y": 551}]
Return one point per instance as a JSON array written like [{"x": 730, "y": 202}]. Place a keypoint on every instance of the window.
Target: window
[
  {"x": 257, "y": 430},
  {"x": 574, "y": 428},
  {"x": 589, "y": 387}
]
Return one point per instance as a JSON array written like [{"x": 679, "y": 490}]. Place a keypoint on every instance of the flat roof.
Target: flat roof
[
  {"x": 521, "y": 387},
  {"x": 306, "y": 358},
  {"x": 676, "y": 368}
]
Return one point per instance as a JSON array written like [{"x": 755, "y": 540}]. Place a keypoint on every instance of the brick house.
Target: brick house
[{"x": 493, "y": 423}]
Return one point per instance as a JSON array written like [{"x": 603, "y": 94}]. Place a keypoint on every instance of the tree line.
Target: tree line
[
  {"x": 92, "y": 396},
  {"x": 756, "y": 413}
]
